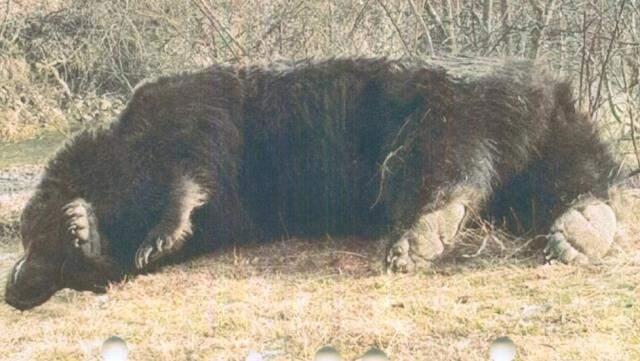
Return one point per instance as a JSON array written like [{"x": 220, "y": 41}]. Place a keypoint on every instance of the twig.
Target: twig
[
  {"x": 352, "y": 254},
  {"x": 276, "y": 24},
  {"x": 220, "y": 29},
  {"x": 479, "y": 251},
  {"x": 487, "y": 9},
  {"x": 607, "y": 56},
  {"x": 583, "y": 55},
  {"x": 625, "y": 86},
  {"x": 519, "y": 249},
  {"x": 543, "y": 17},
  {"x": 404, "y": 125},
  {"x": 633, "y": 135},
  {"x": 452, "y": 27},
  {"x": 56, "y": 75},
  {"x": 6, "y": 18},
  {"x": 359, "y": 17},
  {"x": 434, "y": 16},
  {"x": 395, "y": 25},
  {"x": 427, "y": 33},
  {"x": 499, "y": 242},
  {"x": 384, "y": 169},
  {"x": 612, "y": 105}
]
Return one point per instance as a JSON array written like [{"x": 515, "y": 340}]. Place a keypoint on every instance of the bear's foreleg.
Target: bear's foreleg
[
  {"x": 175, "y": 227},
  {"x": 436, "y": 227}
]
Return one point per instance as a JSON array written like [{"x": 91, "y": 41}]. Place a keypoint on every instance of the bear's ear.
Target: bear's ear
[{"x": 82, "y": 227}]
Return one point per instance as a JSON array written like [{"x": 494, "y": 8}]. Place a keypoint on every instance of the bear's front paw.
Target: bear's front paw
[
  {"x": 425, "y": 241},
  {"x": 152, "y": 249},
  {"x": 398, "y": 259},
  {"x": 412, "y": 252},
  {"x": 82, "y": 227}
]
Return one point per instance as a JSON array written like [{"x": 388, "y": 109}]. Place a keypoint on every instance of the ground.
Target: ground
[{"x": 288, "y": 298}]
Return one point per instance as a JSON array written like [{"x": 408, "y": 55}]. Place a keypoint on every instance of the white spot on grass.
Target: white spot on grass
[
  {"x": 115, "y": 349},
  {"x": 254, "y": 356},
  {"x": 502, "y": 349}
]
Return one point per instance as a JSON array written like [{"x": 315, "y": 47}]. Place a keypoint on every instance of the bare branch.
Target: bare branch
[
  {"x": 395, "y": 25},
  {"x": 5, "y": 20},
  {"x": 220, "y": 29},
  {"x": 414, "y": 9},
  {"x": 487, "y": 9},
  {"x": 608, "y": 54},
  {"x": 434, "y": 16}
]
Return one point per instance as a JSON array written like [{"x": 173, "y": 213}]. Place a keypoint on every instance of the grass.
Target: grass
[
  {"x": 288, "y": 298},
  {"x": 31, "y": 151}
]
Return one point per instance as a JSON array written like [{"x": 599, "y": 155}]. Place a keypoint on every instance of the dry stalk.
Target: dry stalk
[
  {"x": 395, "y": 25},
  {"x": 220, "y": 29},
  {"x": 425, "y": 29},
  {"x": 384, "y": 169}
]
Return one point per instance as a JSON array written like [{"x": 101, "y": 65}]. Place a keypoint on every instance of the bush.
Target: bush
[{"x": 83, "y": 54}]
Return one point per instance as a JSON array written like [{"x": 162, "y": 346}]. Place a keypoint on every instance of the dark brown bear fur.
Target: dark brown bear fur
[{"x": 342, "y": 146}]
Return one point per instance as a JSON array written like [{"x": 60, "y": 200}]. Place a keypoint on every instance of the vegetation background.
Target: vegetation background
[{"x": 68, "y": 64}]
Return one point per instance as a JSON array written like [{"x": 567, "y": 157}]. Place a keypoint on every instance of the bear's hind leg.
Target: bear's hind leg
[
  {"x": 585, "y": 232},
  {"x": 580, "y": 170}
]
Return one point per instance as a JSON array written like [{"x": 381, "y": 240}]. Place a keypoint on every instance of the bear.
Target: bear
[{"x": 406, "y": 150}]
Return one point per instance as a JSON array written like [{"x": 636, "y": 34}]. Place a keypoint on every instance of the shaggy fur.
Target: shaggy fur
[{"x": 404, "y": 149}]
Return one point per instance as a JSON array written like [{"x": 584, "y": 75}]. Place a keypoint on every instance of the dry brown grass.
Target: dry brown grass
[
  {"x": 288, "y": 298},
  {"x": 31, "y": 108}
]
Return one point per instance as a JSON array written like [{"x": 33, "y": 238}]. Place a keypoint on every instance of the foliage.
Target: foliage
[{"x": 85, "y": 50}]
